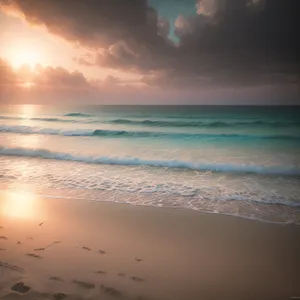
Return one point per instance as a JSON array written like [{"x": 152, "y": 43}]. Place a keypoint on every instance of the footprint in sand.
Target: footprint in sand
[
  {"x": 84, "y": 285},
  {"x": 111, "y": 291},
  {"x": 137, "y": 279},
  {"x": 101, "y": 272},
  {"x": 30, "y": 238},
  {"x": 41, "y": 224},
  {"x": 59, "y": 296},
  {"x": 121, "y": 274},
  {"x": 86, "y": 248},
  {"x": 101, "y": 252},
  {"x": 2, "y": 237},
  {"x": 33, "y": 255},
  {"x": 55, "y": 278},
  {"x": 11, "y": 267},
  {"x": 138, "y": 259},
  {"x": 39, "y": 249},
  {"x": 19, "y": 243},
  {"x": 45, "y": 248},
  {"x": 20, "y": 287}
]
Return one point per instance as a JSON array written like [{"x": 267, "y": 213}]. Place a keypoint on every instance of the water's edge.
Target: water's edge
[{"x": 101, "y": 199}]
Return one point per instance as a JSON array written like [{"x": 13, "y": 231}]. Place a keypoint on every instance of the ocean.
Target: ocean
[{"x": 241, "y": 161}]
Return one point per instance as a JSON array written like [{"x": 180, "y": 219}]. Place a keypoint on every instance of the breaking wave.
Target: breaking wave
[
  {"x": 105, "y": 160},
  {"x": 214, "y": 124},
  {"x": 141, "y": 134},
  {"x": 77, "y": 115},
  {"x": 159, "y": 123}
]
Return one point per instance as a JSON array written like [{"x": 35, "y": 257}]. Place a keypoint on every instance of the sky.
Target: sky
[{"x": 149, "y": 52}]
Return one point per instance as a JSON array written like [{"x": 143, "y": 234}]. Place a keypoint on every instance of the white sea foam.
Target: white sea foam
[
  {"x": 246, "y": 195},
  {"x": 49, "y": 131},
  {"x": 134, "y": 161}
]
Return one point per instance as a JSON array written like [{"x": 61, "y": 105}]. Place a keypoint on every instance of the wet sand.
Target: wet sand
[{"x": 73, "y": 249}]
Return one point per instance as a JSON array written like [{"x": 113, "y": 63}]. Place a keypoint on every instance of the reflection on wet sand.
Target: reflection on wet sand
[
  {"x": 19, "y": 206},
  {"x": 161, "y": 255}
]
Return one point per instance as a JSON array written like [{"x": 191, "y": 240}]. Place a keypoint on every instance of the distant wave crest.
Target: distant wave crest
[
  {"x": 141, "y": 134},
  {"x": 212, "y": 167},
  {"x": 214, "y": 124},
  {"x": 45, "y": 119},
  {"x": 77, "y": 115},
  {"x": 157, "y": 122}
]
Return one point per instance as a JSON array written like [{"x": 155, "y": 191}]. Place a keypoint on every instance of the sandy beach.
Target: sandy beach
[{"x": 73, "y": 249}]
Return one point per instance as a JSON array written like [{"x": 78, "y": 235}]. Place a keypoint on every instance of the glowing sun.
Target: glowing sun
[{"x": 25, "y": 55}]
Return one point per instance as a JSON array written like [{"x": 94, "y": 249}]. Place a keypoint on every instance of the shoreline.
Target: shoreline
[
  {"x": 250, "y": 218},
  {"x": 166, "y": 254}
]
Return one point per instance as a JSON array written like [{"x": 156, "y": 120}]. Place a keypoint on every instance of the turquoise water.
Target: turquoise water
[{"x": 242, "y": 161}]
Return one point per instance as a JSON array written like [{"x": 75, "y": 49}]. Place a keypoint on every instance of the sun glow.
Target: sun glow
[
  {"x": 25, "y": 55},
  {"x": 28, "y": 110},
  {"x": 20, "y": 206},
  {"x": 28, "y": 84}
]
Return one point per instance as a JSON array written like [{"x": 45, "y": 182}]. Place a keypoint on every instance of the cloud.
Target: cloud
[
  {"x": 234, "y": 28},
  {"x": 185, "y": 26},
  {"x": 90, "y": 23},
  {"x": 233, "y": 42},
  {"x": 163, "y": 26},
  {"x": 129, "y": 56},
  {"x": 7, "y": 75},
  {"x": 122, "y": 54},
  {"x": 59, "y": 77},
  {"x": 54, "y": 78},
  {"x": 83, "y": 60},
  {"x": 121, "y": 33},
  {"x": 43, "y": 84},
  {"x": 229, "y": 43},
  {"x": 217, "y": 8},
  {"x": 173, "y": 80},
  {"x": 241, "y": 43},
  {"x": 208, "y": 7}
]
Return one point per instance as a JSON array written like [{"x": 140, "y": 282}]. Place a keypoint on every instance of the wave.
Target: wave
[
  {"x": 40, "y": 119},
  {"x": 77, "y": 115},
  {"x": 159, "y": 123},
  {"x": 211, "y": 167},
  {"x": 213, "y": 124},
  {"x": 141, "y": 134}
]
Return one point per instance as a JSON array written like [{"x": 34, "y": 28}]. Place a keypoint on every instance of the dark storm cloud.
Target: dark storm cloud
[
  {"x": 236, "y": 28},
  {"x": 95, "y": 23},
  {"x": 242, "y": 42},
  {"x": 163, "y": 27},
  {"x": 229, "y": 42},
  {"x": 130, "y": 55},
  {"x": 122, "y": 33},
  {"x": 233, "y": 42}
]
